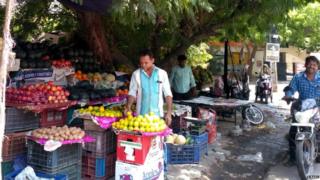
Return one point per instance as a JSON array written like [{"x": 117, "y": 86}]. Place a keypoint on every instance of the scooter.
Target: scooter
[
  {"x": 307, "y": 139},
  {"x": 264, "y": 88}
]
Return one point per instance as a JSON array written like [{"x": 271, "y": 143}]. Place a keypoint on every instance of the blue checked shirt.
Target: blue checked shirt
[{"x": 307, "y": 89}]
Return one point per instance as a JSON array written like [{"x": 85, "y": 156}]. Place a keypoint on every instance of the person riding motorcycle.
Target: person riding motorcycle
[
  {"x": 263, "y": 82},
  {"x": 307, "y": 84}
]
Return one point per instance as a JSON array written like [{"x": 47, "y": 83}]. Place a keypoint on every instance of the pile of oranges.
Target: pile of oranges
[
  {"x": 122, "y": 92},
  {"x": 81, "y": 76}
]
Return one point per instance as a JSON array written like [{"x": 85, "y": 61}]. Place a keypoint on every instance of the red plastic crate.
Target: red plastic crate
[
  {"x": 105, "y": 143},
  {"x": 13, "y": 144},
  {"x": 141, "y": 146},
  {"x": 53, "y": 118},
  {"x": 212, "y": 134}
]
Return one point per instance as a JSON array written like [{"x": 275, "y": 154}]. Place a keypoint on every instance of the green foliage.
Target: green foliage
[
  {"x": 302, "y": 27},
  {"x": 33, "y": 17},
  {"x": 167, "y": 27},
  {"x": 198, "y": 55}
]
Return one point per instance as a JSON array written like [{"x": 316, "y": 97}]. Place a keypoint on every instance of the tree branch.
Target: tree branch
[{"x": 211, "y": 29}]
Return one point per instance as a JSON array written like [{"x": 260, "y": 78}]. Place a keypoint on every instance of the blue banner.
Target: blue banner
[{"x": 99, "y": 6}]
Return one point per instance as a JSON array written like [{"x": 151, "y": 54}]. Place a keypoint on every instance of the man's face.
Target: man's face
[
  {"x": 182, "y": 63},
  {"x": 312, "y": 67},
  {"x": 146, "y": 62}
]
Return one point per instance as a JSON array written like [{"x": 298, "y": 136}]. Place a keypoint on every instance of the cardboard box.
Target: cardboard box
[
  {"x": 151, "y": 170},
  {"x": 136, "y": 149}
]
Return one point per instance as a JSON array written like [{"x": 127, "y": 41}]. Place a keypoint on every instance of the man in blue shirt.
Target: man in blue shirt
[
  {"x": 182, "y": 80},
  {"x": 307, "y": 84}
]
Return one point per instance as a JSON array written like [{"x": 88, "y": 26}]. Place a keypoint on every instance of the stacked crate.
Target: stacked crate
[
  {"x": 98, "y": 160},
  {"x": 65, "y": 160},
  {"x": 14, "y": 141}
]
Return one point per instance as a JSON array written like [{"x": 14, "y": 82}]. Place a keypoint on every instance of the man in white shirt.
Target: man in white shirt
[{"x": 148, "y": 86}]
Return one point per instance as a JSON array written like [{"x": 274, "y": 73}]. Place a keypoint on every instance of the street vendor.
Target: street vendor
[
  {"x": 182, "y": 80},
  {"x": 148, "y": 86}
]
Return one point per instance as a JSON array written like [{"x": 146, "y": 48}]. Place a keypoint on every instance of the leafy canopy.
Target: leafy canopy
[{"x": 302, "y": 27}]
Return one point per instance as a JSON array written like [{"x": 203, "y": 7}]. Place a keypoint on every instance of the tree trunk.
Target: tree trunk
[
  {"x": 95, "y": 35},
  {"x": 7, "y": 47}
]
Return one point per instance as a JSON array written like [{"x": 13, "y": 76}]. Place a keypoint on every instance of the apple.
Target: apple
[{"x": 53, "y": 88}]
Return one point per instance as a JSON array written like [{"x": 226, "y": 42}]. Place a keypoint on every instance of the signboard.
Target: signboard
[{"x": 272, "y": 52}]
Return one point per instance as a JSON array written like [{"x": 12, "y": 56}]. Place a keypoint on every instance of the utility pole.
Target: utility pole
[
  {"x": 225, "y": 70},
  {"x": 273, "y": 55}
]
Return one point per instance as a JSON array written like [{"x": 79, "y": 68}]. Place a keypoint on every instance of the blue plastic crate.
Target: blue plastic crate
[
  {"x": 95, "y": 167},
  {"x": 12, "y": 175},
  {"x": 183, "y": 154},
  {"x": 200, "y": 139},
  {"x": 64, "y": 156},
  {"x": 73, "y": 172}
]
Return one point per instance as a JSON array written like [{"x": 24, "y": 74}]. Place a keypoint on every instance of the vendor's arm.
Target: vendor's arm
[
  {"x": 168, "y": 117},
  {"x": 168, "y": 95},
  {"x": 192, "y": 80},
  {"x": 133, "y": 89},
  {"x": 192, "y": 83}
]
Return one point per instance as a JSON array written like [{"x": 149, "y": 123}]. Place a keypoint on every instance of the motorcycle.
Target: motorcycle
[
  {"x": 264, "y": 88},
  {"x": 307, "y": 140}
]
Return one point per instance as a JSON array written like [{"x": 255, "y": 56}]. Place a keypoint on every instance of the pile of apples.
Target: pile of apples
[
  {"x": 147, "y": 123},
  {"x": 37, "y": 94},
  {"x": 61, "y": 63}
]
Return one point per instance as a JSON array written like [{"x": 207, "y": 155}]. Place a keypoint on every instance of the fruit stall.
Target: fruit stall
[{"x": 65, "y": 120}]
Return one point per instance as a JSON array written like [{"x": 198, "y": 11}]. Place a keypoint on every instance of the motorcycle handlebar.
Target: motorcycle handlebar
[{"x": 289, "y": 99}]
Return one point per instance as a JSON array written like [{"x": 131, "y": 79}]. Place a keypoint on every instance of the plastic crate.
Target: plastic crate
[
  {"x": 89, "y": 125},
  {"x": 178, "y": 123},
  {"x": 200, "y": 139},
  {"x": 6, "y": 168},
  {"x": 12, "y": 175},
  {"x": 105, "y": 143},
  {"x": 13, "y": 144},
  {"x": 64, "y": 156},
  {"x": 73, "y": 172},
  {"x": 53, "y": 118},
  {"x": 212, "y": 134},
  {"x": 98, "y": 167},
  {"x": 19, "y": 120},
  {"x": 183, "y": 154}
]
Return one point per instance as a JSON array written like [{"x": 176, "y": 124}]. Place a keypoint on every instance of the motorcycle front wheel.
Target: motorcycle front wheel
[
  {"x": 304, "y": 157},
  {"x": 253, "y": 114}
]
